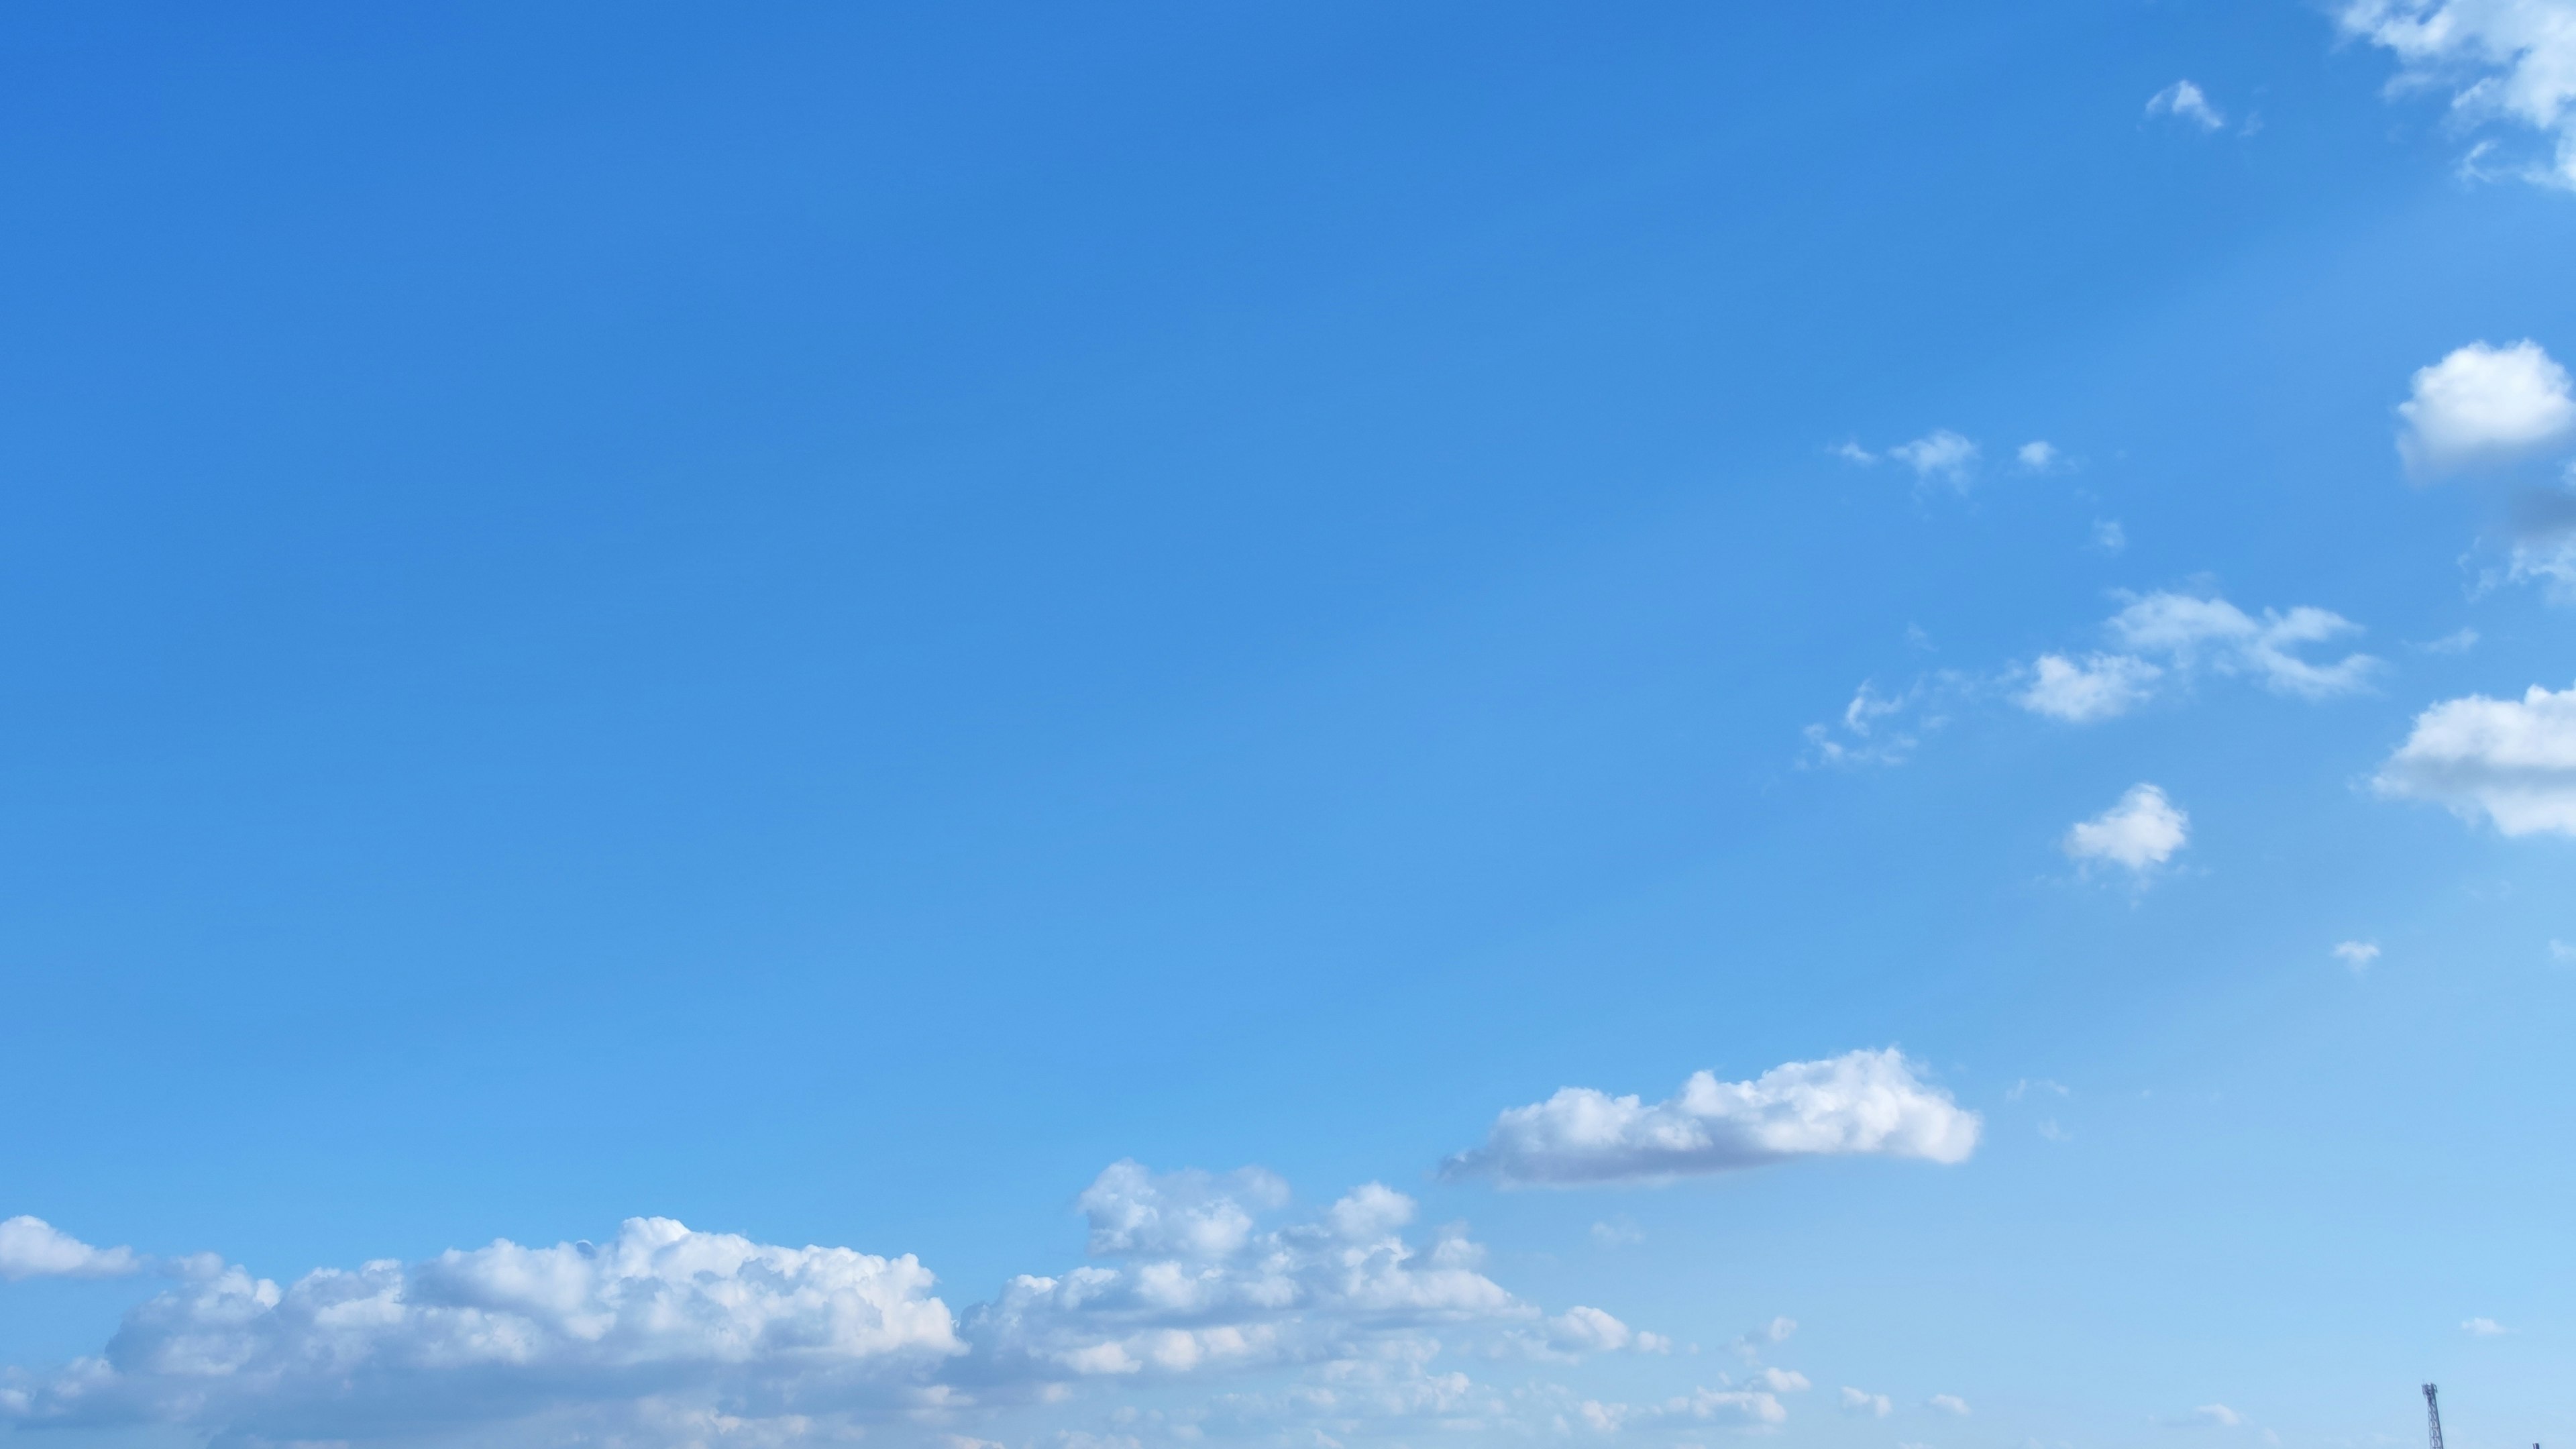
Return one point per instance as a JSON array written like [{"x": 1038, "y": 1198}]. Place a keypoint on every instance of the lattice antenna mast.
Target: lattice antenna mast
[{"x": 2433, "y": 1414}]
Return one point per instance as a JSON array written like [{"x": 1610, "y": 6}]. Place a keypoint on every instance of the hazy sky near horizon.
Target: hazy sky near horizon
[{"x": 1296, "y": 725}]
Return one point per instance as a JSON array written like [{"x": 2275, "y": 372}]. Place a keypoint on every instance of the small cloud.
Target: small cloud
[
  {"x": 2141, "y": 832},
  {"x": 1864, "y": 1404},
  {"x": 2482, "y": 406},
  {"x": 2049, "y": 1130},
  {"x": 1619, "y": 1234},
  {"x": 2562, "y": 953},
  {"x": 2109, "y": 536},
  {"x": 2458, "y": 641},
  {"x": 2357, "y": 954},
  {"x": 1940, "y": 454},
  {"x": 1783, "y": 1381},
  {"x": 2186, "y": 102},
  {"x": 2096, "y": 687},
  {"x": 2218, "y": 1416},
  {"x": 2028, "y": 1085},
  {"x": 2484, "y": 1328},
  {"x": 1754, "y": 1340},
  {"x": 1948, "y": 1404},
  {"x": 33, "y": 1248},
  {"x": 1850, "y": 451},
  {"x": 2037, "y": 456}
]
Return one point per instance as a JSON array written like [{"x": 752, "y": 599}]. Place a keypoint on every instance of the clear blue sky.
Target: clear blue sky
[{"x": 825, "y": 622}]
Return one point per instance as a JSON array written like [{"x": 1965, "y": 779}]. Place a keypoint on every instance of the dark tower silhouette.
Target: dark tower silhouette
[{"x": 2433, "y": 1415}]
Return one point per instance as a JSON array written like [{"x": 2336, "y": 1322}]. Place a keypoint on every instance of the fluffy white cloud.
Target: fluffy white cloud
[
  {"x": 660, "y": 1321},
  {"x": 2166, "y": 636},
  {"x": 2509, "y": 59},
  {"x": 2142, "y": 831},
  {"x": 1862, "y": 1102},
  {"x": 670, "y": 1337},
  {"x": 2037, "y": 455},
  {"x": 1948, "y": 1404},
  {"x": 2093, "y": 688},
  {"x": 2512, "y": 760},
  {"x": 1866, "y": 1404},
  {"x": 2485, "y": 405},
  {"x": 1940, "y": 454},
  {"x": 2190, "y": 630},
  {"x": 33, "y": 1248},
  {"x": 2357, "y": 954},
  {"x": 2185, "y": 102}
]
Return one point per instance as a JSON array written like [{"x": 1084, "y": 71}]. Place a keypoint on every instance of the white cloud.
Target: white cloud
[
  {"x": 1864, "y": 1403},
  {"x": 2168, "y": 636},
  {"x": 2510, "y": 60},
  {"x": 659, "y": 1320},
  {"x": 2512, "y": 760},
  {"x": 2562, "y": 953},
  {"x": 1940, "y": 454},
  {"x": 1880, "y": 729},
  {"x": 1850, "y": 451},
  {"x": 2217, "y": 1416},
  {"x": 2095, "y": 688},
  {"x": 2458, "y": 641},
  {"x": 2109, "y": 536},
  {"x": 2485, "y": 405},
  {"x": 2184, "y": 101},
  {"x": 2027, "y": 1085},
  {"x": 1783, "y": 1381},
  {"x": 1862, "y": 1102},
  {"x": 2037, "y": 456},
  {"x": 2357, "y": 954},
  {"x": 2483, "y": 1328},
  {"x": 1948, "y": 1404},
  {"x": 2189, "y": 629},
  {"x": 33, "y": 1248},
  {"x": 665, "y": 1337},
  {"x": 2141, "y": 832},
  {"x": 1619, "y": 1234}
]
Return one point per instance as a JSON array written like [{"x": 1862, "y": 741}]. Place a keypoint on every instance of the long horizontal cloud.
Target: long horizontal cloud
[
  {"x": 33, "y": 1248},
  {"x": 1866, "y": 1102},
  {"x": 2511, "y": 760},
  {"x": 669, "y": 1336}
]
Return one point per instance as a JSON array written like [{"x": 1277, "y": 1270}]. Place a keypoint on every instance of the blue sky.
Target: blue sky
[{"x": 1094, "y": 688}]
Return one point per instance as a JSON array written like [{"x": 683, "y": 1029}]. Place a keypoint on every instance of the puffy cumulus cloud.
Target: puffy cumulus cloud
[
  {"x": 660, "y": 1328},
  {"x": 2483, "y": 406},
  {"x": 1340, "y": 1287},
  {"x": 1940, "y": 454},
  {"x": 2512, "y": 761},
  {"x": 2186, "y": 102},
  {"x": 2141, "y": 832},
  {"x": 30, "y": 1247},
  {"x": 2509, "y": 60},
  {"x": 1863, "y": 1102},
  {"x": 2357, "y": 954}
]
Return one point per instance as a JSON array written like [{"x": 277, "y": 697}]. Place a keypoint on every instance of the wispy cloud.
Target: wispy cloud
[
  {"x": 2504, "y": 60},
  {"x": 2185, "y": 101}
]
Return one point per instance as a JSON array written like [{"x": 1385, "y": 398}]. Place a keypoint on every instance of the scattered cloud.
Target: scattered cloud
[
  {"x": 668, "y": 1336},
  {"x": 2167, "y": 637},
  {"x": 2504, "y": 60},
  {"x": 2482, "y": 406},
  {"x": 2141, "y": 832},
  {"x": 2038, "y": 456},
  {"x": 1864, "y": 1404},
  {"x": 2513, "y": 761},
  {"x": 1750, "y": 1344},
  {"x": 2458, "y": 641},
  {"x": 2216, "y": 1416},
  {"x": 2095, "y": 687},
  {"x": 1948, "y": 1404},
  {"x": 1619, "y": 1233},
  {"x": 2188, "y": 629},
  {"x": 2185, "y": 102},
  {"x": 32, "y": 1248},
  {"x": 2050, "y": 1131},
  {"x": 2562, "y": 953},
  {"x": 1940, "y": 455},
  {"x": 2109, "y": 536},
  {"x": 1864, "y": 1102},
  {"x": 2028, "y": 1085},
  {"x": 1868, "y": 734},
  {"x": 2483, "y": 1328},
  {"x": 2357, "y": 954}
]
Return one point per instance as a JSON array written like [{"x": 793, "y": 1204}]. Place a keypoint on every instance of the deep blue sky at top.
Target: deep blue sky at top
[{"x": 823, "y": 622}]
